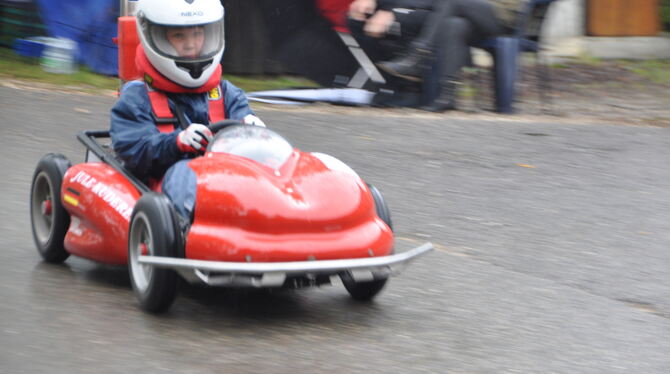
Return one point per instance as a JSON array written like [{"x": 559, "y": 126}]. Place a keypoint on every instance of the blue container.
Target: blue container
[{"x": 31, "y": 47}]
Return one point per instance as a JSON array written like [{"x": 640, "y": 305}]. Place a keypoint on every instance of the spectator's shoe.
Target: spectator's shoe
[
  {"x": 383, "y": 99},
  {"x": 446, "y": 100},
  {"x": 407, "y": 100},
  {"x": 396, "y": 99},
  {"x": 411, "y": 66}
]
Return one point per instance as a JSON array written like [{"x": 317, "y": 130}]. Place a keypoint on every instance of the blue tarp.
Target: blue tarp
[{"x": 91, "y": 24}]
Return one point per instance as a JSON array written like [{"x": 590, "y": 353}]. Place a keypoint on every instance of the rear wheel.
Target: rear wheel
[
  {"x": 49, "y": 219},
  {"x": 365, "y": 291},
  {"x": 153, "y": 232}
]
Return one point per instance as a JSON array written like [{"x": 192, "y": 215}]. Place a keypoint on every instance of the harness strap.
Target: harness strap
[
  {"x": 166, "y": 120},
  {"x": 217, "y": 107},
  {"x": 160, "y": 109}
]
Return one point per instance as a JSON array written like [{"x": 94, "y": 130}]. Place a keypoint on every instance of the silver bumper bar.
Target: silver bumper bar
[{"x": 273, "y": 274}]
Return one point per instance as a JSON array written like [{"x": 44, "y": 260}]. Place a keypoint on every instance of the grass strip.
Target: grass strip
[{"x": 13, "y": 66}]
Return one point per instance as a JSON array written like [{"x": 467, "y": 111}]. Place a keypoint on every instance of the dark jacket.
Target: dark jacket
[
  {"x": 148, "y": 153},
  {"x": 507, "y": 11}
]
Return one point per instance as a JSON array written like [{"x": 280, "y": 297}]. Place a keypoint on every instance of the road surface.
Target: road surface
[{"x": 552, "y": 255}]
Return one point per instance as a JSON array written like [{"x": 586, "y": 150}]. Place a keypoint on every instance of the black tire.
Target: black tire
[
  {"x": 153, "y": 225},
  {"x": 362, "y": 291},
  {"x": 366, "y": 291},
  {"x": 380, "y": 206},
  {"x": 49, "y": 219}
]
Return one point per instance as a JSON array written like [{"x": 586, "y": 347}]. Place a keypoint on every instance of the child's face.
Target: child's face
[{"x": 187, "y": 41}]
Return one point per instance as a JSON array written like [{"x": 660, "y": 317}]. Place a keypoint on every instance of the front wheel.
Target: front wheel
[
  {"x": 153, "y": 232},
  {"x": 49, "y": 219},
  {"x": 365, "y": 291},
  {"x": 362, "y": 291}
]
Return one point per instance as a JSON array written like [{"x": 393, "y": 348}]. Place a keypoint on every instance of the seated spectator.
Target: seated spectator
[
  {"x": 442, "y": 43},
  {"x": 383, "y": 32}
]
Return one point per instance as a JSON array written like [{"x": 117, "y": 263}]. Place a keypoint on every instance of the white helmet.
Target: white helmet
[{"x": 199, "y": 20}]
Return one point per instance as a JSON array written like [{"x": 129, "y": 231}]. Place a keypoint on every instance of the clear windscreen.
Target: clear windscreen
[{"x": 257, "y": 143}]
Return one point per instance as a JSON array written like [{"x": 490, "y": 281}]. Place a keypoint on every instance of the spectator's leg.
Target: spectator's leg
[
  {"x": 506, "y": 68},
  {"x": 472, "y": 20},
  {"x": 428, "y": 37},
  {"x": 481, "y": 15},
  {"x": 479, "y": 12},
  {"x": 396, "y": 92},
  {"x": 452, "y": 55},
  {"x": 485, "y": 25},
  {"x": 414, "y": 64}
]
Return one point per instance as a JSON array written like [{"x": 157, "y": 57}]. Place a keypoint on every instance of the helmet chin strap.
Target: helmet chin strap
[{"x": 194, "y": 69}]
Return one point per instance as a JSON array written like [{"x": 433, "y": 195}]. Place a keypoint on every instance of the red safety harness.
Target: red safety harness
[
  {"x": 158, "y": 86},
  {"x": 166, "y": 120}
]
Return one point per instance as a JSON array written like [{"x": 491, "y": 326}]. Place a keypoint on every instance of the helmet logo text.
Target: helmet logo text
[{"x": 193, "y": 14}]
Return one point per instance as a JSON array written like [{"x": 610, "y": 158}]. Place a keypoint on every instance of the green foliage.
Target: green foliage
[
  {"x": 665, "y": 14},
  {"x": 251, "y": 83},
  {"x": 18, "y": 67},
  {"x": 656, "y": 71},
  {"x": 559, "y": 65},
  {"x": 587, "y": 59}
]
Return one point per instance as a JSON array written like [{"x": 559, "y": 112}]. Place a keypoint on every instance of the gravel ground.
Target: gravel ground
[
  {"x": 603, "y": 92},
  {"x": 606, "y": 91}
]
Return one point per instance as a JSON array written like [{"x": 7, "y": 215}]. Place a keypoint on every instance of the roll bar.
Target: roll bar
[{"x": 88, "y": 138}]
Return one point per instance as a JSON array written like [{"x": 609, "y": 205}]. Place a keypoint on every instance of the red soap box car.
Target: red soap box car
[{"x": 266, "y": 215}]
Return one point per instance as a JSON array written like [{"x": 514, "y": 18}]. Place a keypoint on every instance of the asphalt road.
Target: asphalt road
[{"x": 552, "y": 256}]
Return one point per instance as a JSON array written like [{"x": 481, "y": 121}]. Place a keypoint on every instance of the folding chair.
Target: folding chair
[
  {"x": 505, "y": 51},
  {"x": 356, "y": 92},
  {"x": 367, "y": 70}
]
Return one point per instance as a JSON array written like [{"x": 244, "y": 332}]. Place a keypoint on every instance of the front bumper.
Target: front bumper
[{"x": 274, "y": 274}]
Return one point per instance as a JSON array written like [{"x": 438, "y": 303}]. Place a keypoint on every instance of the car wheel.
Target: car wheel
[
  {"x": 365, "y": 291},
  {"x": 49, "y": 219},
  {"x": 380, "y": 206},
  {"x": 153, "y": 232},
  {"x": 362, "y": 291}
]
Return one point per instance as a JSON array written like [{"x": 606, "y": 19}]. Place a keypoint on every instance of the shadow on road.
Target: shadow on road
[{"x": 205, "y": 307}]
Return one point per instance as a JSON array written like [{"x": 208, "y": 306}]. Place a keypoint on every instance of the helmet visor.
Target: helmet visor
[{"x": 187, "y": 43}]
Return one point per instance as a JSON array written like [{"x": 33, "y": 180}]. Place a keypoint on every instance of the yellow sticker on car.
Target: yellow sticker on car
[{"x": 70, "y": 200}]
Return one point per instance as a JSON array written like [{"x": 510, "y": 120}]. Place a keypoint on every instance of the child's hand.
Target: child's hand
[
  {"x": 250, "y": 119},
  {"x": 194, "y": 139}
]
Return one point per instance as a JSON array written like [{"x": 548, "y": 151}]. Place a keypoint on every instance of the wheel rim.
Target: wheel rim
[
  {"x": 42, "y": 218},
  {"x": 141, "y": 243}
]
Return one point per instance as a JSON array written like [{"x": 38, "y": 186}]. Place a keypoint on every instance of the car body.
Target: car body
[{"x": 266, "y": 215}]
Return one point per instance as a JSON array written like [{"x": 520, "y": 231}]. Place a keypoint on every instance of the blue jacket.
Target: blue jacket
[{"x": 145, "y": 151}]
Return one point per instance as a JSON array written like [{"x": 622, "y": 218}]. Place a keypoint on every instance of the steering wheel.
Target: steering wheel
[{"x": 220, "y": 125}]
